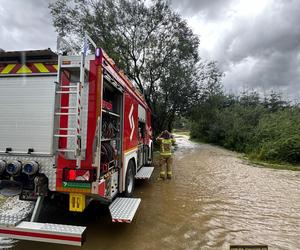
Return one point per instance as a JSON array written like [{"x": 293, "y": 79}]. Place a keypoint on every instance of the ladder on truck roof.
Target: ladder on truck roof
[{"x": 71, "y": 111}]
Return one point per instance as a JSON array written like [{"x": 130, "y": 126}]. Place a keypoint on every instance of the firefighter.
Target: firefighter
[{"x": 166, "y": 140}]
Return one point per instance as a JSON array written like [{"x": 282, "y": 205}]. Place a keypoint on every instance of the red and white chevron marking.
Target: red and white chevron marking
[{"x": 121, "y": 220}]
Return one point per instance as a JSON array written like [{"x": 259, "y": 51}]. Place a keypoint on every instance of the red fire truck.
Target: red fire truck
[{"x": 70, "y": 124}]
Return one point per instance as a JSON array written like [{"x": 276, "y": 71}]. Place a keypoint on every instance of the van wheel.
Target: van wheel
[{"x": 130, "y": 180}]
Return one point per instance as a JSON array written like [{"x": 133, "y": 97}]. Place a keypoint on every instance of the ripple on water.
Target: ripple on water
[{"x": 230, "y": 202}]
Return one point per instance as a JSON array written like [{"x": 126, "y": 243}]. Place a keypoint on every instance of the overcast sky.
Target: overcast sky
[{"x": 256, "y": 42}]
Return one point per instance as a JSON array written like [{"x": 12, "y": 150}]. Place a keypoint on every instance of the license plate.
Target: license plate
[{"x": 77, "y": 202}]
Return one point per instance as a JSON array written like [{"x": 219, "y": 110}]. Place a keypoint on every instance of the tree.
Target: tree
[
  {"x": 249, "y": 98},
  {"x": 152, "y": 43},
  {"x": 210, "y": 98},
  {"x": 274, "y": 102}
]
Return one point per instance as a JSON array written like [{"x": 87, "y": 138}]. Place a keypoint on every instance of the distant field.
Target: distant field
[{"x": 181, "y": 132}]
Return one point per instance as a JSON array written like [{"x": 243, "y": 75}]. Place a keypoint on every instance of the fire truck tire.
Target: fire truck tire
[{"x": 130, "y": 180}]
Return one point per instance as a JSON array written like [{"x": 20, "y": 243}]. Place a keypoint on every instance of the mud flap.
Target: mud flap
[
  {"x": 124, "y": 209},
  {"x": 10, "y": 188},
  {"x": 14, "y": 227},
  {"x": 144, "y": 173}
]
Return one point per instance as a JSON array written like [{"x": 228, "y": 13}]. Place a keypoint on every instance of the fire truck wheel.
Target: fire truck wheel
[{"x": 130, "y": 181}]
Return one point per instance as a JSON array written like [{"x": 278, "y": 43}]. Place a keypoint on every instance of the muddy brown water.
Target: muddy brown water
[{"x": 214, "y": 200}]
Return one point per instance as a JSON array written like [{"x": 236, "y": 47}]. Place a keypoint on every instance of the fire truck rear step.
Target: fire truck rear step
[
  {"x": 144, "y": 173},
  {"x": 13, "y": 227},
  {"x": 10, "y": 220},
  {"x": 124, "y": 209}
]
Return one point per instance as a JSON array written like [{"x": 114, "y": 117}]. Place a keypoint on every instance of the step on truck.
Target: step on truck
[{"x": 70, "y": 125}]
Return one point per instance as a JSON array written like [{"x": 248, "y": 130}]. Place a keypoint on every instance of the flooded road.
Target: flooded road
[{"x": 214, "y": 200}]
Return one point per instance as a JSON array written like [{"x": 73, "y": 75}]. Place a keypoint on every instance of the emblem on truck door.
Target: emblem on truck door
[{"x": 131, "y": 122}]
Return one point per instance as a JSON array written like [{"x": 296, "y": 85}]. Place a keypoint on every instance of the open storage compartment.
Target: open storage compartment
[{"x": 111, "y": 120}]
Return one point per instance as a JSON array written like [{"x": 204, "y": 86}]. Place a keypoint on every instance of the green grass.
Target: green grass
[
  {"x": 257, "y": 163},
  {"x": 279, "y": 166},
  {"x": 181, "y": 132},
  {"x": 249, "y": 160},
  {"x": 199, "y": 141}
]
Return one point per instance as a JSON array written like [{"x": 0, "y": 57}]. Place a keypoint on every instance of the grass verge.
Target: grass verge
[
  {"x": 258, "y": 163},
  {"x": 279, "y": 166},
  {"x": 181, "y": 132}
]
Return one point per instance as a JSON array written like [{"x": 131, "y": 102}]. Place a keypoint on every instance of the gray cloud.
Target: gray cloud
[
  {"x": 272, "y": 43},
  {"x": 25, "y": 25},
  {"x": 261, "y": 52},
  {"x": 208, "y": 8}
]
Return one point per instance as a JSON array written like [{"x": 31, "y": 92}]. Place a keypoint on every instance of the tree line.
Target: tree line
[{"x": 265, "y": 128}]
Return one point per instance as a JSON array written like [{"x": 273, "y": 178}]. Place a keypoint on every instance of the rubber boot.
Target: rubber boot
[{"x": 162, "y": 175}]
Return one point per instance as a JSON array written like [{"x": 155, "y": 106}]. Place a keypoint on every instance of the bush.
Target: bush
[
  {"x": 281, "y": 150},
  {"x": 265, "y": 130},
  {"x": 278, "y": 137}
]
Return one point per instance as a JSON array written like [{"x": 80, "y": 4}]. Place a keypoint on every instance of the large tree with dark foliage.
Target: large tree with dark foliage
[{"x": 151, "y": 42}]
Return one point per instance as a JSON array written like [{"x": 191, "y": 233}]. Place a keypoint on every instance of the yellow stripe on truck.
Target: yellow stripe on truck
[
  {"x": 41, "y": 67},
  {"x": 8, "y": 68},
  {"x": 55, "y": 66},
  {"x": 24, "y": 70}
]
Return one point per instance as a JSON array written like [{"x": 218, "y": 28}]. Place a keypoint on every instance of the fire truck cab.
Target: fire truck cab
[{"x": 70, "y": 124}]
